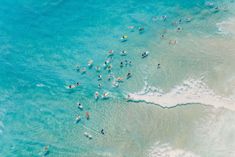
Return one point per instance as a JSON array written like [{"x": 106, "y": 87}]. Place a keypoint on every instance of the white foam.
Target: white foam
[
  {"x": 1, "y": 127},
  {"x": 227, "y": 27},
  {"x": 1, "y": 123},
  {"x": 40, "y": 85},
  {"x": 190, "y": 91},
  {"x": 164, "y": 150}
]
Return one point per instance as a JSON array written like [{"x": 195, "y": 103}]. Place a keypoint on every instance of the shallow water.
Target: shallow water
[{"x": 42, "y": 42}]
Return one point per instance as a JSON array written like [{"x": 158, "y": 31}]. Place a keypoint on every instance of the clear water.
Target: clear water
[{"x": 42, "y": 42}]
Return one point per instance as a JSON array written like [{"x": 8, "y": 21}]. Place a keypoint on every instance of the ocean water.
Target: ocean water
[{"x": 185, "y": 108}]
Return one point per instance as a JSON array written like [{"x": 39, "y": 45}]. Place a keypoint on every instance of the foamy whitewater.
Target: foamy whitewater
[
  {"x": 189, "y": 92},
  {"x": 227, "y": 27},
  {"x": 165, "y": 150}
]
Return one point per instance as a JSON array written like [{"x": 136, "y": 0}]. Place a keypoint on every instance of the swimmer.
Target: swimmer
[
  {"x": 78, "y": 118},
  {"x": 115, "y": 84},
  {"x": 80, "y": 106},
  {"x": 87, "y": 115},
  {"x": 109, "y": 60},
  {"x": 121, "y": 64},
  {"x": 87, "y": 135},
  {"x": 105, "y": 95},
  {"x": 90, "y": 137},
  {"x": 45, "y": 151},
  {"x": 145, "y": 54},
  {"x": 97, "y": 68},
  {"x": 71, "y": 86},
  {"x": 90, "y": 63},
  {"x": 110, "y": 76},
  {"x": 123, "y": 53},
  {"x": 179, "y": 29},
  {"x": 83, "y": 70},
  {"x": 126, "y": 62},
  {"x": 119, "y": 79},
  {"x": 99, "y": 77},
  {"x": 111, "y": 52},
  {"x": 128, "y": 75},
  {"x": 124, "y": 38},
  {"x": 105, "y": 65},
  {"x": 78, "y": 68},
  {"x": 102, "y": 131},
  {"x": 180, "y": 20},
  {"x": 164, "y": 17},
  {"x": 141, "y": 29},
  {"x": 109, "y": 68},
  {"x": 158, "y": 66},
  {"x": 99, "y": 85},
  {"x": 216, "y": 9},
  {"x": 96, "y": 95},
  {"x": 78, "y": 84},
  {"x": 162, "y": 36}
]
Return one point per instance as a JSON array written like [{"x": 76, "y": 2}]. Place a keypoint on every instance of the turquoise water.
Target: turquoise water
[{"x": 42, "y": 42}]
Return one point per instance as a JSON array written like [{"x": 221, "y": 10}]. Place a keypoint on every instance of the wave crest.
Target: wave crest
[
  {"x": 164, "y": 150},
  {"x": 190, "y": 91}
]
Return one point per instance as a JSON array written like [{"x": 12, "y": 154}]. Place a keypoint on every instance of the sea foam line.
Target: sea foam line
[
  {"x": 164, "y": 150},
  {"x": 227, "y": 27},
  {"x": 189, "y": 92}
]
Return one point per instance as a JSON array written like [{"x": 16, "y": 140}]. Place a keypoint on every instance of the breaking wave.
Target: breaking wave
[
  {"x": 189, "y": 92},
  {"x": 164, "y": 150},
  {"x": 227, "y": 27}
]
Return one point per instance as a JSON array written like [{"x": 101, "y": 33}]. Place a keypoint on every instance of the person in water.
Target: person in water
[
  {"x": 45, "y": 150},
  {"x": 78, "y": 68},
  {"x": 128, "y": 75},
  {"x": 102, "y": 131},
  {"x": 121, "y": 64},
  {"x": 99, "y": 85},
  {"x": 158, "y": 66},
  {"x": 164, "y": 17},
  {"x": 141, "y": 29},
  {"x": 179, "y": 29},
  {"x": 99, "y": 77},
  {"x": 87, "y": 115}
]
